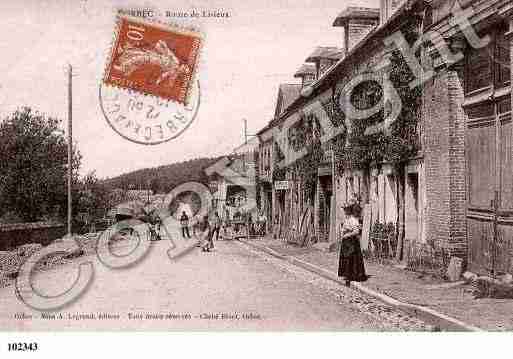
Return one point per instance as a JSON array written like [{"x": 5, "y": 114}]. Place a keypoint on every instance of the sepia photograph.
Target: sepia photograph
[{"x": 272, "y": 166}]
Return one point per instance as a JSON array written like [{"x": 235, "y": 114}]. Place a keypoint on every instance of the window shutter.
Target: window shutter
[{"x": 478, "y": 74}]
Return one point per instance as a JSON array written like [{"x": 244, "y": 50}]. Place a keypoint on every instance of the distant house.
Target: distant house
[{"x": 138, "y": 195}]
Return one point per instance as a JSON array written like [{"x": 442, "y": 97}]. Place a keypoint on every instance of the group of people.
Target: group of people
[
  {"x": 351, "y": 266},
  {"x": 207, "y": 228}
]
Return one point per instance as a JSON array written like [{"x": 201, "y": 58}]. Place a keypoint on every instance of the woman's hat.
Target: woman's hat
[{"x": 351, "y": 202}]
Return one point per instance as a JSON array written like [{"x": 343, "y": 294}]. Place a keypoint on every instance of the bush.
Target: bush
[
  {"x": 425, "y": 258},
  {"x": 383, "y": 239},
  {"x": 10, "y": 217}
]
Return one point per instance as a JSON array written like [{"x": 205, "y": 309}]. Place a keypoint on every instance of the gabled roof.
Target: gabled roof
[
  {"x": 265, "y": 128},
  {"x": 325, "y": 52},
  {"x": 287, "y": 94},
  {"x": 354, "y": 12},
  {"x": 305, "y": 69}
]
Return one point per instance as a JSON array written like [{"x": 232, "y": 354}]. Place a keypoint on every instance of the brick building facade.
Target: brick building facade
[{"x": 456, "y": 193}]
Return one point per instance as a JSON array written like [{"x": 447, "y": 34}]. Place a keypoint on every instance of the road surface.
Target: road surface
[{"x": 232, "y": 288}]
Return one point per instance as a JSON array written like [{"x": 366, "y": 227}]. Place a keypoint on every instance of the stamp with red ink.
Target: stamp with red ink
[{"x": 154, "y": 59}]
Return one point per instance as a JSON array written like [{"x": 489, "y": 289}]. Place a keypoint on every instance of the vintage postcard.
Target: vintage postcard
[{"x": 277, "y": 166}]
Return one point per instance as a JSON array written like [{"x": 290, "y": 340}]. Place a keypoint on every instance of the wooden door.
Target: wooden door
[
  {"x": 490, "y": 187},
  {"x": 489, "y": 156}
]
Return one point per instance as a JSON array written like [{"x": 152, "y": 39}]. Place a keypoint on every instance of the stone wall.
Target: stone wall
[{"x": 17, "y": 234}]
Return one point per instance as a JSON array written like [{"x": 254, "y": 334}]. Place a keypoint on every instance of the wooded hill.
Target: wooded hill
[{"x": 163, "y": 179}]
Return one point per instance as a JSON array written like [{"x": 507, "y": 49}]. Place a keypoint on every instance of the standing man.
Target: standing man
[
  {"x": 184, "y": 222},
  {"x": 216, "y": 221}
]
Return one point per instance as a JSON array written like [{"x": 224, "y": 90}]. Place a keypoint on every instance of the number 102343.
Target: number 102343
[{"x": 22, "y": 347}]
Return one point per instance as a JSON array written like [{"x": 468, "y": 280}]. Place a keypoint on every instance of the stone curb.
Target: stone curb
[{"x": 433, "y": 317}]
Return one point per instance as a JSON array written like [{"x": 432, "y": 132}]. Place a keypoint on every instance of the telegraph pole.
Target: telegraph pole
[
  {"x": 70, "y": 144},
  {"x": 245, "y": 131},
  {"x": 246, "y": 136}
]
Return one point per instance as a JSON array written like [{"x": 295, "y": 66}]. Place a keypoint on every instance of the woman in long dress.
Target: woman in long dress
[
  {"x": 351, "y": 265},
  {"x": 207, "y": 242}
]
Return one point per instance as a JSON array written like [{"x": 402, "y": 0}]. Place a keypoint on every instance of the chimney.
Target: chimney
[
  {"x": 323, "y": 58},
  {"x": 307, "y": 73},
  {"x": 357, "y": 23}
]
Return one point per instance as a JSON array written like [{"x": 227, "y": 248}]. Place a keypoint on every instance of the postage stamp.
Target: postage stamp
[
  {"x": 153, "y": 58},
  {"x": 150, "y": 92}
]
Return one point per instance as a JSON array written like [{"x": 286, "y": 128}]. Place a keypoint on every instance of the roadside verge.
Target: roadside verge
[{"x": 439, "y": 320}]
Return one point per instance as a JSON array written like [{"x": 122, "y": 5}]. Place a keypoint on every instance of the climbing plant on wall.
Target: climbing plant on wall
[
  {"x": 308, "y": 165},
  {"x": 355, "y": 149},
  {"x": 306, "y": 135},
  {"x": 403, "y": 142},
  {"x": 278, "y": 156}
]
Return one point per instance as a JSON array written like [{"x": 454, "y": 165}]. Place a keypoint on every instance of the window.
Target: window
[
  {"x": 502, "y": 61},
  {"x": 489, "y": 65},
  {"x": 309, "y": 78},
  {"x": 478, "y": 64},
  {"x": 366, "y": 95},
  {"x": 489, "y": 134}
]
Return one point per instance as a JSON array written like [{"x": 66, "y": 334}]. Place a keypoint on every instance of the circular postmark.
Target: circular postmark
[{"x": 147, "y": 119}]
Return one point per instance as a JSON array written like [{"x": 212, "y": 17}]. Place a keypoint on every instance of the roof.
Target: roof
[
  {"x": 325, "y": 52},
  {"x": 265, "y": 128},
  {"x": 376, "y": 33},
  {"x": 246, "y": 148},
  {"x": 353, "y": 12},
  {"x": 287, "y": 93},
  {"x": 305, "y": 69},
  {"x": 334, "y": 72}
]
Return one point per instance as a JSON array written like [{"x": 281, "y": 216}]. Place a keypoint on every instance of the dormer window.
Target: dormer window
[
  {"x": 307, "y": 73},
  {"x": 309, "y": 78},
  {"x": 323, "y": 57},
  {"x": 357, "y": 22}
]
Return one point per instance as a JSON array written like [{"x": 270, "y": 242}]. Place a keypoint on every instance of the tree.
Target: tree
[
  {"x": 93, "y": 198},
  {"x": 33, "y": 162}
]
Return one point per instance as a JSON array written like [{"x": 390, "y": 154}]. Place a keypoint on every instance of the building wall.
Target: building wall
[
  {"x": 436, "y": 135},
  {"x": 383, "y": 194},
  {"x": 444, "y": 151},
  {"x": 457, "y": 186},
  {"x": 389, "y": 194},
  {"x": 415, "y": 204}
]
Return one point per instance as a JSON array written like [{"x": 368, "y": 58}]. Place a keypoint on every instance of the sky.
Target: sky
[{"x": 244, "y": 59}]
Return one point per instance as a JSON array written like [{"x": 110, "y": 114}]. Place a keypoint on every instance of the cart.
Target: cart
[{"x": 234, "y": 229}]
